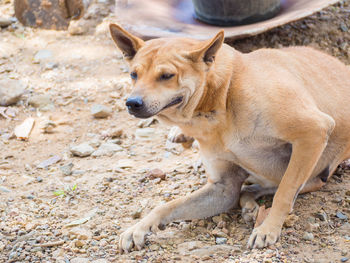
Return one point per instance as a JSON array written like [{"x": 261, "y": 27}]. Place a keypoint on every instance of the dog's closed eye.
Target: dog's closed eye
[{"x": 166, "y": 76}]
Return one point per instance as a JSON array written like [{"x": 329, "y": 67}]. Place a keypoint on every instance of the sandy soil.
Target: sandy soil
[{"x": 106, "y": 194}]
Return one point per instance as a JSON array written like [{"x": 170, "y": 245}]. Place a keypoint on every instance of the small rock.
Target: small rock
[
  {"x": 321, "y": 215},
  {"x": 41, "y": 101},
  {"x": 101, "y": 260},
  {"x": 344, "y": 259},
  {"x": 290, "y": 220},
  {"x": 308, "y": 236},
  {"x": 154, "y": 247},
  {"x": 82, "y": 150},
  {"x": 77, "y": 27},
  {"x": 107, "y": 149},
  {"x": 156, "y": 173},
  {"x": 4, "y": 22},
  {"x": 80, "y": 233},
  {"x": 79, "y": 243},
  {"x": 343, "y": 27},
  {"x": 42, "y": 55},
  {"x": 39, "y": 179},
  {"x": 67, "y": 169},
  {"x": 220, "y": 240},
  {"x": 145, "y": 132},
  {"x": 4, "y": 189},
  {"x": 341, "y": 216},
  {"x": 45, "y": 164},
  {"x": 100, "y": 111},
  {"x": 136, "y": 214},
  {"x": 79, "y": 260},
  {"x": 124, "y": 163},
  {"x": 11, "y": 91}
]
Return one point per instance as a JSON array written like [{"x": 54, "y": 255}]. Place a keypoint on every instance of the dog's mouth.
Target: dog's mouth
[{"x": 175, "y": 101}]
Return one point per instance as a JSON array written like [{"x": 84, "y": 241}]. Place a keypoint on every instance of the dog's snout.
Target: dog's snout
[{"x": 134, "y": 103}]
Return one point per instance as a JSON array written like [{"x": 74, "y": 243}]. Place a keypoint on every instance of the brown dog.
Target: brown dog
[{"x": 279, "y": 116}]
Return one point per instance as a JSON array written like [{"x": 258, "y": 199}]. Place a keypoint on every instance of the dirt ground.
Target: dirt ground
[{"x": 54, "y": 214}]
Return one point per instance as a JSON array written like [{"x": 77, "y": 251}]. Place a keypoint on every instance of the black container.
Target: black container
[{"x": 235, "y": 12}]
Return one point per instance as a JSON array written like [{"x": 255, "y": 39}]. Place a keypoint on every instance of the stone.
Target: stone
[
  {"x": 39, "y": 179},
  {"x": 124, "y": 163},
  {"x": 101, "y": 260},
  {"x": 79, "y": 243},
  {"x": 80, "y": 233},
  {"x": 344, "y": 259},
  {"x": 321, "y": 215},
  {"x": 42, "y": 55},
  {"x": 82, "y": 150},
  {"x": 107, "y": 149},
  {"x": 48, "y": 162},
  {"x": 291, "y": 220},
  {"x": 156, "y": 173},
  {"x": 11, "y": 91},
  {"x": 100, "y": 111},
  {"x": 341, "y": 216},
  {"x": 308, "y": 236},
  {"x": 67, "y": 169},
  {"x": 144, "y": 132},
  {"x": 41, "y": 101},
  {"x": 220, "y": 240},
  {"x": 4, "y": 21},
  {"x": 136, "y": 214},
  {"x": 79, "y": 260},
  {"x": 77, "y": 27},
  {"x": 4, "y": 189}
]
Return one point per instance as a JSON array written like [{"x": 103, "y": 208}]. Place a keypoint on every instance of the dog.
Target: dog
[{"x": 276, "y": 116}]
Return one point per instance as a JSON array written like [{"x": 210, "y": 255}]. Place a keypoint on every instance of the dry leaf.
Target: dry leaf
[{"x": 262, "y": 214}]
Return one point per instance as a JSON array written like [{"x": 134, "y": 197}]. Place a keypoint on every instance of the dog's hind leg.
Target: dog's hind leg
[
  {"x": 247, "y": 201},
  {"x": 214, "y": 198}
]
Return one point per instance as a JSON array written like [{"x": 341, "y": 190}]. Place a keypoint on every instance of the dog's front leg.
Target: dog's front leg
[
  {"x": 307, "y": 150},
  {"x": 214, "y": 198}
]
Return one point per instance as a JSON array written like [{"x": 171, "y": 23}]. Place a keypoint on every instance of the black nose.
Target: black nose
[{"x": 134, "y": 103}]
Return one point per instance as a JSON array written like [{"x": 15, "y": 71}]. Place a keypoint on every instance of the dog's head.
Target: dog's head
[{"x": 168, "y": 75}]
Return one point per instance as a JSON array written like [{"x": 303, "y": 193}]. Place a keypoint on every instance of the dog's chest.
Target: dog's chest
[{"x": 260, "y": 156}]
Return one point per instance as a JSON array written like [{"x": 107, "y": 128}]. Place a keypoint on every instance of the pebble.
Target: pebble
[
  {"x": 341, "y": 216},
  {"x": 344, "y": 259},
  {"x": 4, "y": 22},
  {"x": 101, "y": 260},
  {"x": 156, "y": 173},
  {"x": 79, "y": 260},
  {"x": 42, "y": 102},
  {"x": 321, "y": 215},
  {"x": 77, "y": 27},
  {"x": 11, "y": 91},
  {"x": 80, "y": 233},
  {"x": 107, "y": 149},
  {"x": 4, "y": 189},
  {"x": 67, "y": 169},
  {"x": 100, "y": 111},
  {"x": 308, "y": 236},
  {"x": 82, "y": 150},
  {"x": 42, "y": 55},
  {"x": 291, "y": 220},
  {"x": 144, "y": 132},
  {"x": 220, "y": 240},
  {"x": 136, "y": 214},
  {"x": 124, "y": 163}
]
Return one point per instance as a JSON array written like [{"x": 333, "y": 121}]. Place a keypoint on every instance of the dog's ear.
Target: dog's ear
[
  {"x": 208, "y": 50},
  {"x": 125, "y": 41}
]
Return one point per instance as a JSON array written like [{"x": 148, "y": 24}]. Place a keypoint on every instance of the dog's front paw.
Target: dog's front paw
[
  {"x": 135, "y": 235},
  {"x": 264, "y": 236}
]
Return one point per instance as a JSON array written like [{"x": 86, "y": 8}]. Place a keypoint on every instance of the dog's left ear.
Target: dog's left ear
[
  {"x": 208, "y": 50},
  {"x": 125, "y": 41}
]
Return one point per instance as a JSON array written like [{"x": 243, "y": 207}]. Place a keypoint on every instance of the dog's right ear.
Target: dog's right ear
[{"x": 125, "y": 41}]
